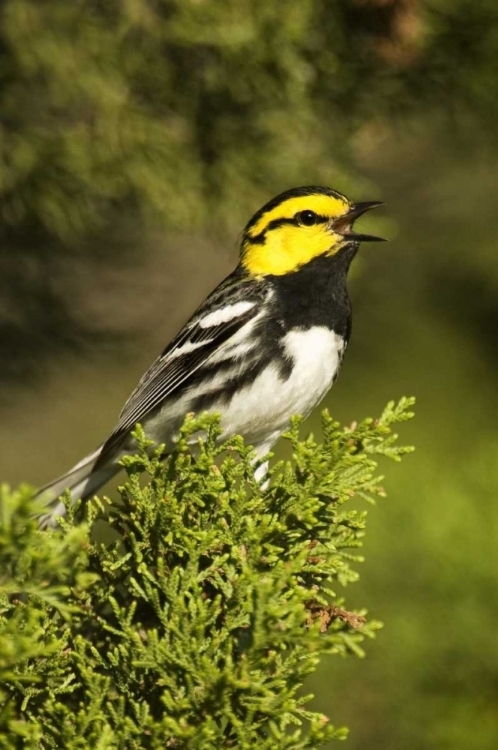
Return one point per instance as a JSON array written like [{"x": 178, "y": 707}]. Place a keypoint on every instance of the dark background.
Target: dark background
[{"x": 137, "y": 137}]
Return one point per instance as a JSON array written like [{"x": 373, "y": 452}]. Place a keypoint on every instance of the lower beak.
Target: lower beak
[{"x": 344, "y": 224}]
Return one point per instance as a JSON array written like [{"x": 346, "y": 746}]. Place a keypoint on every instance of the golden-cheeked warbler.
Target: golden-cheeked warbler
[{"x": 266, "y": 344}]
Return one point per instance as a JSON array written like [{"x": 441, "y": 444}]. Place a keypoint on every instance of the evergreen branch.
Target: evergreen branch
[{"x": 195, "y": 625}]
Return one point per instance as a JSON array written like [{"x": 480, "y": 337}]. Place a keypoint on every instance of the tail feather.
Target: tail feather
[{"x": 81, "y": 480}]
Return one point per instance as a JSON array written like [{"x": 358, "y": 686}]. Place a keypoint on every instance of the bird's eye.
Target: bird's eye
[{"x": 306, "y": 218}]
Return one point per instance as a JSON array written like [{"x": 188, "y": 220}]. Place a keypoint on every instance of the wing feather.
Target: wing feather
[{"x": 170, "y": 373}]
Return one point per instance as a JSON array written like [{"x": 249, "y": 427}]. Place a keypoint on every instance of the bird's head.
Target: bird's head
[{"x": 298, "y": 226}]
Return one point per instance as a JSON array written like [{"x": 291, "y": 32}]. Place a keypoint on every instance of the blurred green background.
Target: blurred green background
[{"x": 138, "y": 136}]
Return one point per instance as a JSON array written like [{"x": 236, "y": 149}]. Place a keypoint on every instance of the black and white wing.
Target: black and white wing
[{"x": 235, "y": 302}]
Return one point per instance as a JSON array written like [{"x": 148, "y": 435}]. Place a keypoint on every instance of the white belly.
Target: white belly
[{"x": 263, "y": 409}]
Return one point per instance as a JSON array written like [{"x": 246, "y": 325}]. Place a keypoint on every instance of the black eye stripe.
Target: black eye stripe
[{"x": 259, "y": 239}]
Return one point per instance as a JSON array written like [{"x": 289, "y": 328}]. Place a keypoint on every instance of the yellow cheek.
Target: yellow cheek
[{"x": 287, "y": 248}]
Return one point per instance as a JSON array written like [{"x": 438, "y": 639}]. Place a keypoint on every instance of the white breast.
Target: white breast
[{"x": 263, "y": 409}]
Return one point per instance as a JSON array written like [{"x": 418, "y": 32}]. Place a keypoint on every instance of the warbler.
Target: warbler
[{"x": 265, "y": 345}]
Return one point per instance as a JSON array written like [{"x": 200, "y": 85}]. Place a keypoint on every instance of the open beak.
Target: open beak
[{"x": 344, "y": 224}]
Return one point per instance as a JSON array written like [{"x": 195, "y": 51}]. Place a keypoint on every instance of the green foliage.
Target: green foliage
[
  {"x": 117, "y": 117},
  {"x": 191, "y": 110},
  {"x": 197, "y": 622}
]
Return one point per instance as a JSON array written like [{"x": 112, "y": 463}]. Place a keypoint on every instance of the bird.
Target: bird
[{"x": 265, "y": 345}]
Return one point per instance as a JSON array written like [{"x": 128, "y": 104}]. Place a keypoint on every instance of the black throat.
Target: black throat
[{"x": 316, "y": 294}]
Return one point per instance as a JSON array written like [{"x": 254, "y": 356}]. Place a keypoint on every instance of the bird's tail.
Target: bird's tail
[{"x": 82, "y": 480}]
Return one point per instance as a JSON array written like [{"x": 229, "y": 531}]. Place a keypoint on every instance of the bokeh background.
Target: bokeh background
[{"x": 136, "y": 139}]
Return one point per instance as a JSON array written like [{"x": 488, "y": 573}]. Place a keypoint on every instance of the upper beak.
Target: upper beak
[{"x": 344, "y": 224}]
